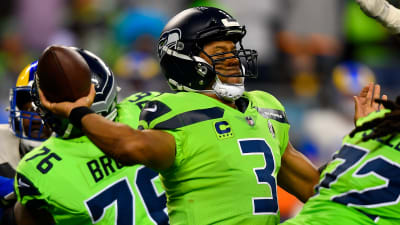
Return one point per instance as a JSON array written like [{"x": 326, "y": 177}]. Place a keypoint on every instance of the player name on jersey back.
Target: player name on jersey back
[{"x": 102, "y": 167}]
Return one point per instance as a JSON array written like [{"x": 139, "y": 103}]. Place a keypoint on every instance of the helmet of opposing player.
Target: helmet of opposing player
[
  {"x": 105, "y": 101},
  {"x": 24, "y": 122},
  {"x": 183, "y": 39}
]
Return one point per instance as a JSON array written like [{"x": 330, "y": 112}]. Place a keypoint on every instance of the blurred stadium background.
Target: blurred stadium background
[{"x": 314, "y": 55}]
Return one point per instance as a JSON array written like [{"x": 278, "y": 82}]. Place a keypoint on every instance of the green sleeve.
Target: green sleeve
[
  {"x": 159, "y": 120},
  {"x": 129, "y": 108},
  {"x": 371, "y": 116}
]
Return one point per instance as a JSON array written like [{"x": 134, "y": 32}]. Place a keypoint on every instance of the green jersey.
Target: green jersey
[
  {"x": 226, "y": 160},
  {"x": 361, "y": 185},
  {"x": 74, "y": 181}
]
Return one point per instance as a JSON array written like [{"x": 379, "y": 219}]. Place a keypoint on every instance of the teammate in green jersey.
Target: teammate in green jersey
[
  {"x": 220, "y": 151},
  {"x": 68, "y": 180},
  {"x": 361, "y": 185}
]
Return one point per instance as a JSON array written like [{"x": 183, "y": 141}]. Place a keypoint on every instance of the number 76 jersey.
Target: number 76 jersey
[{"x": 77, "y": 184}]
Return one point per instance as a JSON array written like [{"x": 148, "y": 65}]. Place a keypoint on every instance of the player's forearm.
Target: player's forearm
[
  {"x": 114, "y": 139},
  {"x": 301, "y": 187},
  {"x": 305, "y": 180},
  {"x": 153, "y": 148},
  {"x": 297, "y": 175}
]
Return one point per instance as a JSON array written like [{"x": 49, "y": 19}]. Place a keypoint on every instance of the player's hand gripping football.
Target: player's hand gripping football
[
  {"x": 364, "y": 102},
  {"x": 384, "y": 12},
  {"x": 64, "y": 108}
]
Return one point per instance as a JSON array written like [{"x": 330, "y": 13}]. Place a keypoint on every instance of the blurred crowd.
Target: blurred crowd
[{"x": 313, "y": 55}]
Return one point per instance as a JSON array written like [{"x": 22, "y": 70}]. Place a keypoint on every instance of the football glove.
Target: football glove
[{"x": 384, "y": 12}]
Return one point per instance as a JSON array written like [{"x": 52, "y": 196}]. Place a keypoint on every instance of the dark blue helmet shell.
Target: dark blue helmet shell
[
  {"x": 105, "y": 101},
  {"x": 183, "y": 39}
]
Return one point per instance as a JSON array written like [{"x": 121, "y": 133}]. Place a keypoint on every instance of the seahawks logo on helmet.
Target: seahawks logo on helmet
[{"x": 170, "y": 39}]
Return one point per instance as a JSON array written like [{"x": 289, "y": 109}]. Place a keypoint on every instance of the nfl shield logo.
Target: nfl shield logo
[{"x": 271, "y": 128}]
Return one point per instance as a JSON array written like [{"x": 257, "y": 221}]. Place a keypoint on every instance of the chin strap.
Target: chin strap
[
  {"x": 26, "y": 146},
  {"x": 228, "y": 92},
  {"x": 30, "y": 144}
]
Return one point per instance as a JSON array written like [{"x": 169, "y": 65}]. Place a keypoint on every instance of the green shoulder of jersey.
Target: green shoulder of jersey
[
  {"x": 169, "y": 107},
  {"x": 129, "y": 108},
  {"x": 264, "y": 100}
]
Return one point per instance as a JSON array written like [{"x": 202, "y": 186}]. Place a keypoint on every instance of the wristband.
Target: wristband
[{"x": 75, "y": 117}]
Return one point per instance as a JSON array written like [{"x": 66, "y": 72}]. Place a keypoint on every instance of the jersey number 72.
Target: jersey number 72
[{"x": 378, "y": 166}]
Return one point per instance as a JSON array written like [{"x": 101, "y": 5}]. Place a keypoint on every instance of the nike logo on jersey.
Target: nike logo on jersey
[
  {"x": 151, "y": 109},
  {"x": 22, "y": 184},
  {"x": 25, "y": 186}
]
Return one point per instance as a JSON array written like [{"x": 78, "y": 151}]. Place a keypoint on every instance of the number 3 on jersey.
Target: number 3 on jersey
[{"x": 262, "y": 205}]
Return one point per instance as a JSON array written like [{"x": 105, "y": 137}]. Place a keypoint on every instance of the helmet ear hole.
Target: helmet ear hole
[
  {"x": 180, "y": 46},
  {"x": 201, "y": 69},
  {"x": 22, "y": 97}
]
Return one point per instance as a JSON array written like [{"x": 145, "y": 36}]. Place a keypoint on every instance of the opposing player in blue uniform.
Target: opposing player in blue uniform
[{"x": 24, "y": 131}]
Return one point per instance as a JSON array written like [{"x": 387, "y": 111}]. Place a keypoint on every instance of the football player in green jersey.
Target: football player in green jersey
[
  {"x": 361, "y": 184},
  {"x": 68, "y": 180},
  {"x": 221, "y": 151}
]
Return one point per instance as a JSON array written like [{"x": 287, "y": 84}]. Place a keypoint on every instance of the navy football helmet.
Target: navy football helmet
[
  {"x": 182, "y": 41},
  {"x": 105, "y": 101}
]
